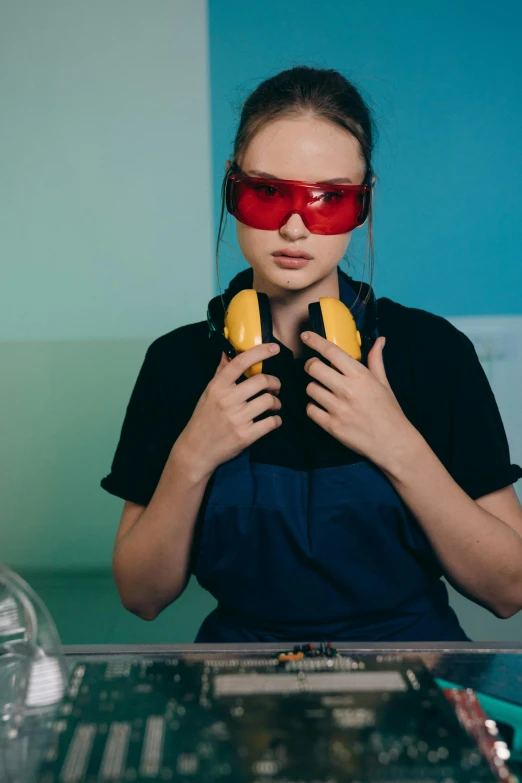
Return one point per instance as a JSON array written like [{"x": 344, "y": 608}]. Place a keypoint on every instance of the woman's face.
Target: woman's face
[{"x": 309, "y": 150}]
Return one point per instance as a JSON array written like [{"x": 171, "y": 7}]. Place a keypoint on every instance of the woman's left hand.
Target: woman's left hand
[{"x": 361, "y": 410}]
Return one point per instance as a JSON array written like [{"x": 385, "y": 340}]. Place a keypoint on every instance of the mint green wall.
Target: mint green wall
[
  {"x": 105, "y": 146},
  {"x": 66, "y": 400},
  {"x": 86, "y": 608}
]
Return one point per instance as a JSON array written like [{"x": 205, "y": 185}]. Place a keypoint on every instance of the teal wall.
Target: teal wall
[
  {"x": 444, "y": 79},
  {"x": 106, "y": 109}
]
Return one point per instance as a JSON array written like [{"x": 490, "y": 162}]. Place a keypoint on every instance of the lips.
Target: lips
[
  {"x": 290, "y": 262},
  {"x": 293, "y": 254}
]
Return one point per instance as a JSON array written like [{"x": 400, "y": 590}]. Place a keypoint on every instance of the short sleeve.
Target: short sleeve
[
  {"x": 146, "y": 436},
  {"x": 479, "y": 452}
]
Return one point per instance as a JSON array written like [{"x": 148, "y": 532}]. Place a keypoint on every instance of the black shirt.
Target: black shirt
[{"x": 431, "y": 366}]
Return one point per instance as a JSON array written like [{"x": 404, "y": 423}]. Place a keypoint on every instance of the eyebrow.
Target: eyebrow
[{"x": 335, "y": 181}]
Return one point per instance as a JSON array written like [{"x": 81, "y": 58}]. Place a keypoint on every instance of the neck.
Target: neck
[{"x": 290, "y": 308}]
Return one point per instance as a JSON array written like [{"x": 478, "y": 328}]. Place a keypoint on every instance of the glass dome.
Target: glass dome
[{"x": 33, "y": 677}]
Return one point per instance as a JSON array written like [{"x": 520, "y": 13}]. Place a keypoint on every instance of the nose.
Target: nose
[{"x": 294, "y": 227}]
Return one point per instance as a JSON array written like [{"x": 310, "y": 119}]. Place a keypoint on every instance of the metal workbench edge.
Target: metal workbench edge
[{"x": 354, "y": 647}]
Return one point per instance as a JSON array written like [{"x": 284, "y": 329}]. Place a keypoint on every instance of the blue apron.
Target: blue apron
[{"x": 330, "y": 554}]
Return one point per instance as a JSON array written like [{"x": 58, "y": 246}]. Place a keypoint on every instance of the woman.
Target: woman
[{"x": 323, "y": 498}]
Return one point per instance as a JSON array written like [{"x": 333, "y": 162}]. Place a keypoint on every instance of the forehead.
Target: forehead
[{"x": 306, "y": 149}]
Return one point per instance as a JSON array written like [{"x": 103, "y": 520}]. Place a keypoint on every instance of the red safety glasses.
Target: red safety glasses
[{"x": 324, "y": 209}]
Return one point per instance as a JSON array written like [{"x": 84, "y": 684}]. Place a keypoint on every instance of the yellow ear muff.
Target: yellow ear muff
[
  {"x": 243, "y": 325},
  {"x": 340, "y": 327}
]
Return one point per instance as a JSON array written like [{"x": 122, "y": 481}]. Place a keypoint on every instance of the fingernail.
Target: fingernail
[
  {"x": 305, "y": 335},
  {"x": 274, "y": 348}
]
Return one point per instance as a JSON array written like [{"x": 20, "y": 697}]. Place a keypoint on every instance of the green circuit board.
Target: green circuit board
[{"x": 221, "y": 718}]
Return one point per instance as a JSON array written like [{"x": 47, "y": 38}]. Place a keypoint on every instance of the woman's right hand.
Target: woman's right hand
[{"x": 222, "y": 424}]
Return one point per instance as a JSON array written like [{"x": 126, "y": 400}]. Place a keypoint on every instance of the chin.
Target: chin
[
  {"x": 289, "y": 279},
  {"x": 296, "y": 279}
]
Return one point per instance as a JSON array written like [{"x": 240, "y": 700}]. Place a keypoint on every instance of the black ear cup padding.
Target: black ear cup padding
[
  {"x": 316, "y": 319},
  {"x": 215, "y": 320},
  {"x": 215, "y": 314},
  {"x": 317, "y": 326},
  {"x": 265, "y": 316}
]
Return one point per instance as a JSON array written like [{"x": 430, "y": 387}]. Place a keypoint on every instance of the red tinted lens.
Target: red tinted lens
[{"x": 268, "y": 204}]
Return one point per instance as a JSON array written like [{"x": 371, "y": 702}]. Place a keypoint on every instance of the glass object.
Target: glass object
[{"x": 33, "y": 677}]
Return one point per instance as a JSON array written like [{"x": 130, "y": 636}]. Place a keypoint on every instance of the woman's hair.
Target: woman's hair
[{"x": 304, "y": 91}]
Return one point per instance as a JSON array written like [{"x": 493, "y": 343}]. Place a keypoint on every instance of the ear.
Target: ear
[{"x": 227, "y": 165}]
